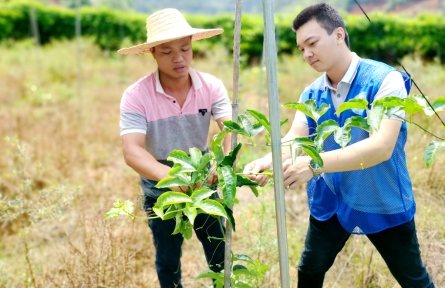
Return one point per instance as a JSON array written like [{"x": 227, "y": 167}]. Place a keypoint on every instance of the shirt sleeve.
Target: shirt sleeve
[
  {"x": 221, "y": 106},
  {"x": 300, "y": 117},
  {"x": 393, "y": 85},
  {"x": 133, "y": 118}
]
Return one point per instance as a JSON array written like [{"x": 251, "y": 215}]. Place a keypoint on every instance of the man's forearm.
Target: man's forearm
[{"x": 145, "y": 164}]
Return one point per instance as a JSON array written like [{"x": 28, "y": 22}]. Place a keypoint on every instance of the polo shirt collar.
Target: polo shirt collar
[
  {"x": 350, "y": 74},
  {"x": 196, "y": 82}
]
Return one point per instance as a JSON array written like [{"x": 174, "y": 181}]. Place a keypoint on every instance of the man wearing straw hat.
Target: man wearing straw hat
[
  {"x": 363, "y": 188},
  {"x": 171, "y": 109}
]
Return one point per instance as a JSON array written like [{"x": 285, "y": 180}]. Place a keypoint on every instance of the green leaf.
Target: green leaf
[
  {"x": 392, "y": 104},
  {"x": 421, "y": 102},
  {"x": 195, "y": 157},
  {"x": 241, "y": 284},
  {"x": 282, "y": 122},
  {"x": 177, "y": 180},
  {"x": 191, "y": 213},
  {"x": 241, "y": 270},
  {"x": 254, "y": 190},
  {"x": 201, "y": 194},
  {"x": 175, "y": 170},
  {"x": 159, "y": 212},
  {"x": 180, "y": 157},
  {"x": 359, "y": 122},
  {"x": 230, "y": 159},
  {"x": 303, "y": 141},
  {"x": 168, "y": 198},
  {"x": 311, "y": 152},
  {"x": 342, "y": 136},
  {"x": 235, "y": 127},
  {"x": 204, "y": 161},
  {"x": 414, "y": 104},
  {"x": 211, "y": 274},
  {"x": 242, "y": 257},
  {"x": 227, "y": 181},
  {"x": 375, "y": 116},
  {"x": 390, "y": 101},
  {"x": 261, "y": 119},
  {"x": 230, "y": 217},
  {"x": 297, "y": 144},
  {"x": 429, "y": 156},
  {"x": 113, "y": 212},
  {"x": 217, "y": 147},
  {"x": 171, "y": 212},
  {"x": 242, "y": 180},
  {"x": 323, "y": 131},
  {"x": 187, "y": 231},
  {"x": 179, "y": 224},
  {"x": 251, "y": 129},
  {"x": 309, "y": 108},
  {"x": 121, "y": 208},
  {"x": 211, "y": 207},
  {"x": 439, "y": 104},
  {"x": 195, "y": 178},
  {"x": 352, "y": 104}
]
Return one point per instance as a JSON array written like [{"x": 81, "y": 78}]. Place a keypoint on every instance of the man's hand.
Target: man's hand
[
  {"x": 213, "y": 176},
  {"x": 297, "y": 173},
  {"x": 253, "y": 168}
]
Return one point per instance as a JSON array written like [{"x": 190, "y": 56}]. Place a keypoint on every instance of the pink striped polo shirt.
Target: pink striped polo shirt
[{"x": 146, "y": 108}]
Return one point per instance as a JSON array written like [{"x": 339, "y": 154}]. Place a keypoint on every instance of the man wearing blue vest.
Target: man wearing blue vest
[{"x": 364, "y": 188}]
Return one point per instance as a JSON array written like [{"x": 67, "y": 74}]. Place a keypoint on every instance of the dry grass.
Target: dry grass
[{"x": 72, "y": 171}]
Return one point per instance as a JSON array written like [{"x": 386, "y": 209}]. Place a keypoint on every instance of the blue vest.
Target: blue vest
[{"x": 368, "y": 200}]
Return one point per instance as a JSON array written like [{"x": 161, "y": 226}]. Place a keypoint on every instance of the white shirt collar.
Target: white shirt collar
[
  {"x": 350, "y": 74},
  {"x": 196, "y": 82}
]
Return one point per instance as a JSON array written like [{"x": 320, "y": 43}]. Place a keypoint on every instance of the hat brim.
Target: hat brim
[{"x": 197, "y": 34}]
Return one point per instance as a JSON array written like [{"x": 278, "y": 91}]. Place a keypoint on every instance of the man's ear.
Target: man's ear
[{"x": 340, "y": 35}]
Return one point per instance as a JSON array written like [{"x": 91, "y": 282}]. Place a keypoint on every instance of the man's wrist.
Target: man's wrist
[{"x": 316, "y": 170}]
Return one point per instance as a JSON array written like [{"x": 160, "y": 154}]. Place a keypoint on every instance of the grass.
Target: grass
[{"x": 62, "y": 169}]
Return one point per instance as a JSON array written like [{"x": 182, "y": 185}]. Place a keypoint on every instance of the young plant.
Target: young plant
[{"x": 193, "y": 169}]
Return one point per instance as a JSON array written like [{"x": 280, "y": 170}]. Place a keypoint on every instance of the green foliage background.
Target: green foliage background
[{"x": 390, "y": 37}]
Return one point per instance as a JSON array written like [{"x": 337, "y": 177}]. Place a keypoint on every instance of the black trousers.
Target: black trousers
[
  {"x": 168, "y": 247},
  {"x": 398, "y": 246}
]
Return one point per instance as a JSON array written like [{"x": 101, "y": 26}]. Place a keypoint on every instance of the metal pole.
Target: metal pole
[
  {"x": 36, "y": 34},
  {"x": 274, "y": 114},
  {"x": 236, "y": 57},
  {"x": 79, "y": 54}
]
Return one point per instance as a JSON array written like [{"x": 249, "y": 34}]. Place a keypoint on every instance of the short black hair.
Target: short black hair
[{"x": 326, "y": 15}]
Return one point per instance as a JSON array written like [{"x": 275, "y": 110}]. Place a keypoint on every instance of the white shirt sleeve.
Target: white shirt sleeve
[
  {"x": 300, "y": 117},
  {"x": 392, "y": 85}
]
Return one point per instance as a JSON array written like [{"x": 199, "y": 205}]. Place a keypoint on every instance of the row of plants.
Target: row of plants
[{"x": 387, "y": 38}]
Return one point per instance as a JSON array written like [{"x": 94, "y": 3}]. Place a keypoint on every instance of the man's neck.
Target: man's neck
[
  {"x": 176, "y": 87},
  {"x": 338, "y": 71}
]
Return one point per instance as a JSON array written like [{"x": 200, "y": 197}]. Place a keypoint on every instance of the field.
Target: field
[{"x": 62, "y": 168}]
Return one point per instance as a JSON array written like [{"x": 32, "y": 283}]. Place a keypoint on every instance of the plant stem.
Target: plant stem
[{"x": 409, "y": 121}]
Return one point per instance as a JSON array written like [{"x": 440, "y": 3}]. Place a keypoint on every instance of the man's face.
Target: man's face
[
  {"x": 174, "y": 57},
  {"x": 319, "y": 49}
]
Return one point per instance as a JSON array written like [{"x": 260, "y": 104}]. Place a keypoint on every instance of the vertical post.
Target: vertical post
[
  {"x": 274, "y": 114},
  {"x": 79, "y": 54},
  {"x": 236, "y": 57},
  {"x": 34, "y": 25},
  {"x": 36, "y": 36}
]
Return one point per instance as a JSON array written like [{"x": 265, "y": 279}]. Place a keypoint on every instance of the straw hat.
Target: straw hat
[{"x": 167, "y": 25}]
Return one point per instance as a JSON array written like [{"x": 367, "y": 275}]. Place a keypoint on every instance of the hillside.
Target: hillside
[{"x": 408, "y": 7}]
